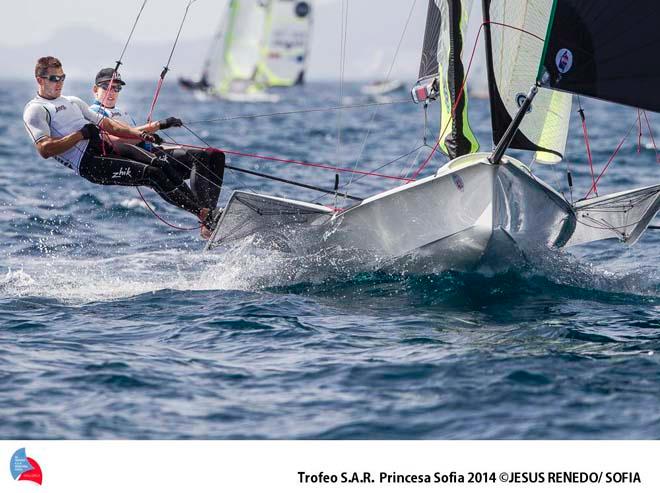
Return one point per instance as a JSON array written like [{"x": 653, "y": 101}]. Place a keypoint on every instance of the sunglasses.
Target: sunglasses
[
  {"x": 54, "y": 78},
  {"x": 106, "y": 85}
]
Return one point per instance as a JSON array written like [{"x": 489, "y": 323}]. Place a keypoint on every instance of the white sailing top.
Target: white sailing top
[{"x": 58, "y": 118}]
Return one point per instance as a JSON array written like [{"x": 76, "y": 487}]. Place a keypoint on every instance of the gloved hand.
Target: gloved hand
[
  {"x": 147, "y": 137},
  {"x": 158, "y": 140},
  {"x": 90, "y": 132},
  {"x": 169, "y": 122}
]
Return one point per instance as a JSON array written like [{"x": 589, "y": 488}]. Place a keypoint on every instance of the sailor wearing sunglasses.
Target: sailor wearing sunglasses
[
  {"x": 203, "y": 167},
  {"x": 105, "y": 103},
  {"x": 64, "y": 128}
]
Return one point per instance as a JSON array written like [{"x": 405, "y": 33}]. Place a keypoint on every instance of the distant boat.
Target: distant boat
[{"x": 259, "y": 44}]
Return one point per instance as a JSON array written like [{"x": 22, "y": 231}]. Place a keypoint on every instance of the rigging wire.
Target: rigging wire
[
  {"x": 130, "y": 36},
  {"x": 387, "y": 78},
  {"x": 609, "y": 162},
  {"x": 639, "y": 131},
  {"x": 343, "y": 20},
  {"x": 118, "y": 63},
  {"x": 246, "y": 171},
  {"x": 160, "y": 218},
  {"x": 293, "y": 161},
  {"x": 166, "y": 68},
  {"x": 295, "y": 112},
  {"x": 655, "y": 147},
  {"x": 585, "y": 132},
  {"x": 377, "y": 169}
]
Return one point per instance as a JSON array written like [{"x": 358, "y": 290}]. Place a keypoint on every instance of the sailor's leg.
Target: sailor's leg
[
  {"x": 133, "y": 152},
  {"x": 206, "y": 171},
  {"x": 115, "y": 170}
]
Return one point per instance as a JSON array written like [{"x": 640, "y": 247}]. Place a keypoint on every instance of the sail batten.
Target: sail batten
[
  {"x": 595, "y": 49},
  {"x": 428, "y": 66},
  {"x": 514, "y": 30}
]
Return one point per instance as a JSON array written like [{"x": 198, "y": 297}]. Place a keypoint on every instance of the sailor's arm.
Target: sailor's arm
[
  {"x": 152, "y": 127},
  {"x": 36, "y": 120},
  {"x": 114, "y": 127},
  {"x": 49, "y": 147}
]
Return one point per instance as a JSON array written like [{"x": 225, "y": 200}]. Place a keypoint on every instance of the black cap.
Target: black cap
[{"x": 105, "y": 75}]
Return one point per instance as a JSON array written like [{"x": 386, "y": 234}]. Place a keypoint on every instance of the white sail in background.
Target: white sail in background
[
  {"x": 285, "y": 45},
  {"x": 215, "y": 61},
  {"x": 517, "y": 47},
  {"x": 242, "y": 44}
]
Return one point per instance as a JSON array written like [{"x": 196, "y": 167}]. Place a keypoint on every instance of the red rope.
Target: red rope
[
  {"x": 301, "y": 163},
  {"x": 648, "y": 124},
  {"x": 610, "y": 161},
  {"x": 153, "y": 103},
  {"x": 585, "y": 132},
  {"x": 160, "y": 218}
]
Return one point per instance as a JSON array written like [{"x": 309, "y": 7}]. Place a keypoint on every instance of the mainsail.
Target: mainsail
[
  {"x": 285, "y": 43},
  {"x": 442, "y": 73},
  {"x": 514, "y": 33},
  {"x": 604, "y": 49}
]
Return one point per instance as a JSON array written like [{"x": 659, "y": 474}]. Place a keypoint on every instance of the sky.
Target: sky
[{"x": 85, "y": 29}]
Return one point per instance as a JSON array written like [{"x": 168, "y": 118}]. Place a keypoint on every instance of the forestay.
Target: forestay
[
  {"x": 285, "y": 47},
  {"x": 604, "y": 49},
  {"x": 514, "y": 40}
]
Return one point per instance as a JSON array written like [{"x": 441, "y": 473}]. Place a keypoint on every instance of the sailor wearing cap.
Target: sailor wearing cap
[
  {"x": 203, "y": 167},
  {"x": 107, "y": 86}
]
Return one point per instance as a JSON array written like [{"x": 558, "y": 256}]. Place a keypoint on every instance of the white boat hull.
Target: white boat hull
[
  {"x": 469, "y": 214},
  {"x": 455, "y": 218}
]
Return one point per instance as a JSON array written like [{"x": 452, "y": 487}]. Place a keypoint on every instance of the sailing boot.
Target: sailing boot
[{"x": 209, "y": 219}]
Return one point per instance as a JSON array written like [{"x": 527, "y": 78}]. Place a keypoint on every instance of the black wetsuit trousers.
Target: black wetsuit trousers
[{"x": 128, "y": 165}]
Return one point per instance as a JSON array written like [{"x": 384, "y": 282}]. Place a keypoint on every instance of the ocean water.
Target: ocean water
[{"x": 113, "y": 325}]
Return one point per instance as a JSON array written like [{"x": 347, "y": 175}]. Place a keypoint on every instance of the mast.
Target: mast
[{"x": 510, "y": 133}]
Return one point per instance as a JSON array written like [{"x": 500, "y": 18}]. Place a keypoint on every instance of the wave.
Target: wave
[{"x": 68, "y": 276}]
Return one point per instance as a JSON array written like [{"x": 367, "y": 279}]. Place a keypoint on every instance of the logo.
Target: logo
[
  {"x": 458, "y": 181},
  {"x": 24, "y": 468},
  {"x": 302, "y": 9},
  {"x": 123, "y": 172},
  {"x": 60, "y": 108},
  {"x": 521, "y": 97},
  {"x": 564, "y": 60}
]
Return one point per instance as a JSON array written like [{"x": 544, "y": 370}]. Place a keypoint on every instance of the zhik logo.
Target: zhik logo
[
  {"x": 24, "y": 468},
  {"x": 123, "y": 172}
]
